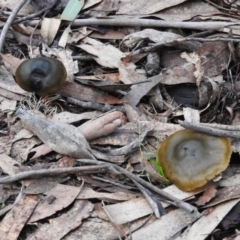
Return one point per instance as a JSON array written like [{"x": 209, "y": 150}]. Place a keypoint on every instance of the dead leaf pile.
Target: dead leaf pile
[{"x": 82, "y": 164}]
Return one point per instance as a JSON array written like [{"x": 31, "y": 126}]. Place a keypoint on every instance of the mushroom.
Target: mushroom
[{"x": 190, "y": 159}]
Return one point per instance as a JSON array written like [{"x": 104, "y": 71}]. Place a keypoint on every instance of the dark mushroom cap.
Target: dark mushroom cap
[
  {"x": 190, "y": 159},
  {"x": 42, "y": 75}
]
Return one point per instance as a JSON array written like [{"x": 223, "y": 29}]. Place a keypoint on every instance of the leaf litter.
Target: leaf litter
[{"x": 138, "y": 71}]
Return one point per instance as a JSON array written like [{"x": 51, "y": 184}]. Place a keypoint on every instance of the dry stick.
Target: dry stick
[
  {"x": 222, "y": 126},
  {"x": 222, "y": 8},
  {"x": 116, "y": 227},
  {"x": 209, "y": 39},
  {"x": 9, "y": 22},
  {"x": 157, "y": 45},
  {"x": 44, "y": 10},
  {"x": 154, "y": 203},
  {"x": 169, "y": 198},
  {"x": 124, "y": 21},
  {"x": 209, "y": 130},
  {"x": 95, "y": 105},
  {"x": 53, "y": 172}
]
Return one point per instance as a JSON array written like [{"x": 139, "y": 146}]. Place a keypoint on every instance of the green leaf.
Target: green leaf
[
  {"x": 3, "y": 205},
  {"x": 157, "y": 167},
  {"x": 72, "y": 9}
]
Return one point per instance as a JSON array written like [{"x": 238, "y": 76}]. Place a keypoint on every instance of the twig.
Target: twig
[
  {"x": 168, "y": 197},
  {"x": 131, "y": 147},
  {"x": 9, "y": 22},
  {"x": 222, "y": 8},
  {"x": 44, "y": 10},
  {"x": 222, "y": 126},
  {"x": 210, "y": 130},
  {"x": 153, "y": 202},
  {"x": 177, "y": 41},
  {"x": 95, "y": 105},
  {"x": 116, "y": 227},
  {"x": 52, "y": 172},
  {"x": 209, "y": 39},
  {"x": 136, "y": 22}
]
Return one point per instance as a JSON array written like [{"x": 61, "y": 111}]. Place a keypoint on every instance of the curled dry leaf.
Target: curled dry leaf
[
  {"x": 62, "y": 138},
  {"x": 113, "y": 59},
  {"x": 49, "y": 29},
  {"x": 156, "y": 36}
]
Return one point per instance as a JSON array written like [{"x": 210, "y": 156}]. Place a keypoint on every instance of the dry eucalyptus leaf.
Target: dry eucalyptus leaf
[
  {"x": 7, "y": 104},
  {"x": 7, "y": 81},
  {"x": 8, "y": 165},
  {"x": 207, "y": 223},
  {"x": 71, "y": 66},
  {"x": 14, "y": 221},
  {"x": 155, "y": 36},
  {"x": 165, "y": 227},
  {"x": 112, "y": 60},
  {"x": 20, "y": 149},
  {"x": 49, "y": 29},
  {"x": 62, "y": 138},
  {"x": 209, "y": 194},
  {"x": 68, "y": 117},
  {"x": 187, "y": 10},
  {"x": 27, "y": 8},
  {"x": 65, "y": 195},
  {"x": 60, "y": 226},
  {"x": 140, "y": 6},
  {"x": 140, "y": 90}
]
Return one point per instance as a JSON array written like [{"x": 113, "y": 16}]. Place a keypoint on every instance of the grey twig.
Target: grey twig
[
  {"x": 9, "y": 22},
  {"x": 213, "y": 130},
  {"x": 180, "y": 40},
  {"x": 44, "y": 10},
  {"x": 52, "y": 172},
  {"x": 168, "y": 197},
  {"x": 137, "y": 22}
]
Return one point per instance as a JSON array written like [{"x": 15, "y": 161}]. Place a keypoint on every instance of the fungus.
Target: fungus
[{"x": 190, "y": 159}]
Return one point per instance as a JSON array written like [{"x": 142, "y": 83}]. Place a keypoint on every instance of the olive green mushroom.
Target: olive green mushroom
[
  {"x": 190, "y": 159},
  {"x": 43, "y": 75}
]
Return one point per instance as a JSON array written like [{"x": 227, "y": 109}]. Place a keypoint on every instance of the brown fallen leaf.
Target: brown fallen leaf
[
  {"x": 187, "y": 10},
  {"x": 113, "y": 59},
  {"x": 209, "y": 194},
  {"x": 60, "y": 226},
  {"x": 91, "y": 94},
  {"x": 39, "y": 151},
  {"x": 225, "y": 194},
  {"x": 64, "y": 195},
  {"x": 8, "y": 165},
  {"x": 88, "y": 193},
  {"x": 14, "y": 221},
  {"x": 231, "y": 220},
  {"x": 138, "y": 91},
  {"x": 140, "y": 7}
]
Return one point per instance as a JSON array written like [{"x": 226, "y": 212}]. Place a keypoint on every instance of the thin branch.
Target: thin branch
[
  {"x": 209, "y": 39},
  {"x": 44, "y": 10},
  {"x": 210, "y": 130},
  {"x": 177, "y": 41},
  {"x": 9, "y": 22},
  {"x": 52, "y": 172},
  {"x": 116, "y": 227},
  {"x": 233, "y": 11},
  {"x": 137, "y": 22},
  {"x": 168, "y": 197},
  {"x": 95, "y": 105}
]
